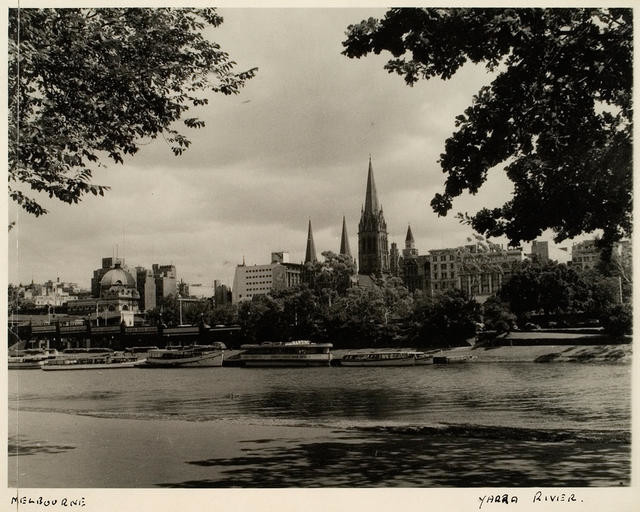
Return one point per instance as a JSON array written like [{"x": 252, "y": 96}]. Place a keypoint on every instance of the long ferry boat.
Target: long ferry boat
[
  {"x": 90, "y": 359},
  {"x": 289, "y": 353},
  {"x": 386, "y": 358},
  {"x": 30, "y": 358},
  {"x": 193, "y": 356}
]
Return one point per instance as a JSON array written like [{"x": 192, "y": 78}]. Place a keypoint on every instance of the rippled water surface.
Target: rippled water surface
[
  {"x": 570, "y": 396},
  {"x": 527, "y": 415}
]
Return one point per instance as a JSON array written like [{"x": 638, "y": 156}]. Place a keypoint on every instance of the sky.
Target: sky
[{"x": 293, "y": 146}]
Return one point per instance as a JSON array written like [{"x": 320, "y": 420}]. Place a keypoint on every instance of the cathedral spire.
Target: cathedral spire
[
  {"x": 409, "y": 241},
  {"x": 310, "y": 255},
  {"x": 373, "y": 249},
  {"x": 371, "y": 198},
  {"x": 344, "y": 240}
]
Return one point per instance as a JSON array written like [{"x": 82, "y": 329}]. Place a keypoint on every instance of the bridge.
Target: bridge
[{"x": 119, "y": 337}]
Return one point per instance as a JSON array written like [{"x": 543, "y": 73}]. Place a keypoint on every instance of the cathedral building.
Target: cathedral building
[{"x": 373, "y": 249}]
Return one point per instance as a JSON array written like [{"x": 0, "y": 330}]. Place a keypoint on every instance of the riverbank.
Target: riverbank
[
  {"x": 561, "y": 353},
  {"x": 530, "y": 353}
]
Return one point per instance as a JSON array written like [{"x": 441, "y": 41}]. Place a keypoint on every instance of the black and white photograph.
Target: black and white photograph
[{"x": 341, "y": 246}]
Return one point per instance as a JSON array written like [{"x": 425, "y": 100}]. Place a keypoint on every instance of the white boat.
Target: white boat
[
  {"x": 289, "y": 353},
  {"x": 90, "y": 359},
  {"x": 386, "y": 358},
  {"x": 30, "y": 358},
  {"x": 452, "y": 359},
  {"x": 141, "y": 352},
  {"x": 193, "y": 356}
]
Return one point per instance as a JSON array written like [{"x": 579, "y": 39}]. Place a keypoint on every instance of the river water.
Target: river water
[{"x": 510, "y": 424}]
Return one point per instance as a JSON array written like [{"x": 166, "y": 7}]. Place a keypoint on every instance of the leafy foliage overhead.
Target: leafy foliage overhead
[
  {"x": 91, "y": 83},
  {"x": 558, "y": 112}
]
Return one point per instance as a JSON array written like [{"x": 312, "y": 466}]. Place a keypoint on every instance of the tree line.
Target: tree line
[{"x": 329, "y": 306}]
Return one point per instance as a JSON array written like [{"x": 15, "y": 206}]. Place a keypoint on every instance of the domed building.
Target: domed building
[
  {"x": 119, "y": 284},
  {"x": 118, "y": 302}
]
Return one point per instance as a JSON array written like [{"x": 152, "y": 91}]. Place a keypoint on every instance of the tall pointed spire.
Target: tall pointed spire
[
  {"x": 409, "y": 250},
  {"x": 409, "y": 239},
  {"x": 371, "y": 198},
  {"x": 344, "y": 240},
  {"x": 310, "y": 255}
]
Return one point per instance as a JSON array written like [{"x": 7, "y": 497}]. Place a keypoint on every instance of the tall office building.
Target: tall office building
[
  {"x": 146, "y": 285},
  {"x": 166, "y": 281},
  {"x": 252, "y": 280}
]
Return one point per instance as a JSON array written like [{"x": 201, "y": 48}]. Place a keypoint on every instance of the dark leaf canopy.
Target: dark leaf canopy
[
  {"x": 558, "y": 113},
  {"x": 85, "y": 84}
]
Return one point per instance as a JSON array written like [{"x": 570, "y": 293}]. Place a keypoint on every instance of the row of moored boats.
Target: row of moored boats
[{"x": 291, "y": 353}]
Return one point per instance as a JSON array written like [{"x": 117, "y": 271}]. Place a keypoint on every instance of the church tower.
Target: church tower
[
  {"x": 409, "y": 245},
  {"x": 344, "y": 239},
  {"x": 310, "y": 254},
  {"x": 373, "y": 250}
]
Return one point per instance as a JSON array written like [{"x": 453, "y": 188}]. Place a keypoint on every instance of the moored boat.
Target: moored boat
[
  {"x": 288, "y": 353},
  {"x": 29, "y": 359},
  {"x": 193, "y": 356},
  {"x": 386, "y": 358},
  {"x": 90, "y": 359},
  {"x": 452, "y": 359}
]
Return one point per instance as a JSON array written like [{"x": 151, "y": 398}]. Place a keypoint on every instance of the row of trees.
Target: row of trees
[
  {"x": 554, "y": 292},
  {"x": 328, "y": 307}
]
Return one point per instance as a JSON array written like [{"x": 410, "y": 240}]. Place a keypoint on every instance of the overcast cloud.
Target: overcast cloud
[{"x": 293, "y": 146}]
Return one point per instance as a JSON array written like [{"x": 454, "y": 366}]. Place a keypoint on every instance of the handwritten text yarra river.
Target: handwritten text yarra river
[{"x": 538, "y": 497}]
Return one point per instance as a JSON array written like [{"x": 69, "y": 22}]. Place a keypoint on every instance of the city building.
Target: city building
[
  {"x": 252, "y": 280},
  {"x": 117, "y": 302},
  {"x": 482, "y": 267},
  {"x": 98, "y": 274},
  {"x": 201, "y": 291},
  {"x": 373, "y": 249},
  {"x": 540, "y": 250},
  {"x": 52, "y": 294},
  {"x": 586, "y": 254},
  {"x": 146, "y": 285},
  {"x": 166, "y": 281},
  {"x": 478, "y": 268},
  {"x": 223, "y": 292}
]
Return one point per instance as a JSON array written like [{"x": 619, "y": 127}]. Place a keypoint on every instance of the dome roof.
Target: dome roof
[{"x": 117, "y": 277}]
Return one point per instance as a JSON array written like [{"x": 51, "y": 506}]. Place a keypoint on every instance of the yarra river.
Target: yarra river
[{"x": 467, "y": 425}]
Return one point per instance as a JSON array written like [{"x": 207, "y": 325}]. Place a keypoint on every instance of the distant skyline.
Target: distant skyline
[{"x": 294, "y": 145}]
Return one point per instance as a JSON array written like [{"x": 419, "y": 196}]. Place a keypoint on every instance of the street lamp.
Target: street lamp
[{"x": 97, "y": 317}]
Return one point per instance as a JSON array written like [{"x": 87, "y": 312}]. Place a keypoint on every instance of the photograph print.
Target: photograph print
[{"x": 318, "y": 248}]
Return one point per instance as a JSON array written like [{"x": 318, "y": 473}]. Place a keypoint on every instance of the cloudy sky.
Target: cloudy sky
[{"x": 293, "y": 146}]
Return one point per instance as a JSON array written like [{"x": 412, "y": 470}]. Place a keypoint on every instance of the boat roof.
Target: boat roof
[
  {"x": 82, "y": 350},
  {"x": 390, "y": 351},
  {"x": 297, "y": 343},
  {"x": 218, "y": 345}
]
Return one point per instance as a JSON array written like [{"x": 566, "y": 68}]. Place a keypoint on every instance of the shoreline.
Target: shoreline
[
  {"x": 482, "y": 353},
  {"x": 527, "y": 353}
]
